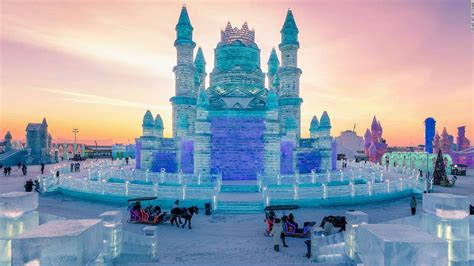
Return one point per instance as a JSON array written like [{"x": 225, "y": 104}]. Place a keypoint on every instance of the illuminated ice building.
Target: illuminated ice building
[{"x": 236, "y": 125}]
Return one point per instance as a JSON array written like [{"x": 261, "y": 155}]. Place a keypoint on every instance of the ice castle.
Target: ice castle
[{"x": 236, "y": 126}]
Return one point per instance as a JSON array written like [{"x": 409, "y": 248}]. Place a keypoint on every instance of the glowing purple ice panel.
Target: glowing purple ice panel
[
  {"x": 307, "y": 161},
  {"x": 164, "y": 159},
  {"x": 237, "y": 146},
  {"x": 187, "y": 156},
  {"x": 286, "y": 157}
]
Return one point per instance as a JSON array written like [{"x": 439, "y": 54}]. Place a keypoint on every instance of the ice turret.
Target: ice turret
[
  {"x": 8, "y": 136},
  {"x": 325, "y": 121},
  {"x": 159, "y": 126},
  {"x": 289, "y": 73},
  {"x": 186, "y": 82},
  {"x": 148, "y": 120},
  {"x": 314, "y": 127},
  {"x": 273, "y": 64},
  {"x": 184, "y": 30},
  {"x": 200, "y": 74},
  {"x": 148, "y": 124},
  {"x": 375, "y": 124},
  {"x": 200, "y": 62},
  {"x": 8, "y": 141},
  {"x": 289, "y": 32}
]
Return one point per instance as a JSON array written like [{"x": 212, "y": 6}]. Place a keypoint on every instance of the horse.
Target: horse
[{"x": 185, "y": 213}]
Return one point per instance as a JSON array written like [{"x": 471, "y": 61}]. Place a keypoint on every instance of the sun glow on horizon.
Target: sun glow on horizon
[{"x": 99, "y": 66}]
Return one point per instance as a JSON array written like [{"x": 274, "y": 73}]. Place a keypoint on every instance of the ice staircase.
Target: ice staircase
[
  {"x": 239, "y": 207},
  {"x": 239, "y": 197},
  {"x": 239, "y": 188},
  {"x": 12, "y": 157}
]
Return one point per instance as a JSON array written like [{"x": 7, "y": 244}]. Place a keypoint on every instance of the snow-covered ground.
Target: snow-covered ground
[{"x": 223, "y": 238}]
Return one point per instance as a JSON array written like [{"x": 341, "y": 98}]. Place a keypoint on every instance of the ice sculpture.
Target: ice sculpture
[
  {"x": 60, "y": 242},
  {"x": 396, "y": 244},
  {"x": 17, "y": 215}
]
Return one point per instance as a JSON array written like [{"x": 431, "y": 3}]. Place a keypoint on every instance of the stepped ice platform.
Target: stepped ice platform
[
  {"x": 396, "y": 244},
  {"x": 61, "y": 242}
]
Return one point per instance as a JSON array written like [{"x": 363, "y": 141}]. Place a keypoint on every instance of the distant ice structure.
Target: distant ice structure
[
  {"x": 375, "y": 146},
  {"x": 17, "y": 215},
  {"x": 61, "y": 242},
  {"x": 349, "y": 144}
]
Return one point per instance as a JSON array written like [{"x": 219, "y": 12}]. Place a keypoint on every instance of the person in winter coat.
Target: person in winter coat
[
  {"x": 276, "y": 232},
  {"x": 413, "y": 205}
]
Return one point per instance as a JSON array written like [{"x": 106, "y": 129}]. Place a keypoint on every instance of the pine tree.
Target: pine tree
[{"x": 439, "y": 174}]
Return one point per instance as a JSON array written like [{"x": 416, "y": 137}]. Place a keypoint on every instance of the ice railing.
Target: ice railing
[
  {"x": 357, "y": 179},
  {"x": 112, "y": 179}
]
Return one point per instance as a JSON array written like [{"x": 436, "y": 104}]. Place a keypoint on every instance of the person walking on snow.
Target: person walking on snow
[
  {"x": 42, "y": 168},
  {"x": 276, "y": 232},
  {"x": 413, "y": 205}
]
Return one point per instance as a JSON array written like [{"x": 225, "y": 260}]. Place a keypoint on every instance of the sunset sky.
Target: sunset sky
[{"x": 98, "y": 65}]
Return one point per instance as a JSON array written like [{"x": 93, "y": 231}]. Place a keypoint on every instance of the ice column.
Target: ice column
[
  {"x": 112, "y": 222},
  {"x": 151, "y": 234},
  {"x": 447, "y": 217},
  {"x": 17, "y": 215},
  {"x": 354, "y": 219}
]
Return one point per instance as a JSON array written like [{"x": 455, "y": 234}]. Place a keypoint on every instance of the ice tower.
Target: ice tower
[{"x": 236, "y": 125}]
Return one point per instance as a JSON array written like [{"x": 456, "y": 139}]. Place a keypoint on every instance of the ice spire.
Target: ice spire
[
  {"x": 158, "y": 122},
  {"x": 314, "y": 124},
  {"x": 200, "y": 62},
  {"x": 375, "y": 125},
  {"x": 184, "y": 18},
  {"x": 273, "y": 62},
  {"x": 148, "y": 120},
  {"x": 325, "y": 122},
  {"x": 184, "y": 30},
  {"x": 289, "y": 31}
]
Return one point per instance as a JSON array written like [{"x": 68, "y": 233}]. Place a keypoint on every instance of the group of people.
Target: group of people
[
  {"x": 150, "y": 213},
  {"x": 75, "y": 167},
  {"x": 30, "y": 184},
  {"x": 6, "y": 170}
]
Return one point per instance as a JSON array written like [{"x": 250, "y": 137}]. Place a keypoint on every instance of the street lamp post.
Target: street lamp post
[{"x": 75, "y": 131}]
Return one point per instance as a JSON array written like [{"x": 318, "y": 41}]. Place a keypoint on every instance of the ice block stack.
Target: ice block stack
[
  {"x": 112, "y": 223},
  {"x": 354, "y": 219},
  {"x": 61, "y": 242},
  {"x": 397, "y": 244},
  {"x": 447, "y": 217},
  {"x": 17, "y": 215}
]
